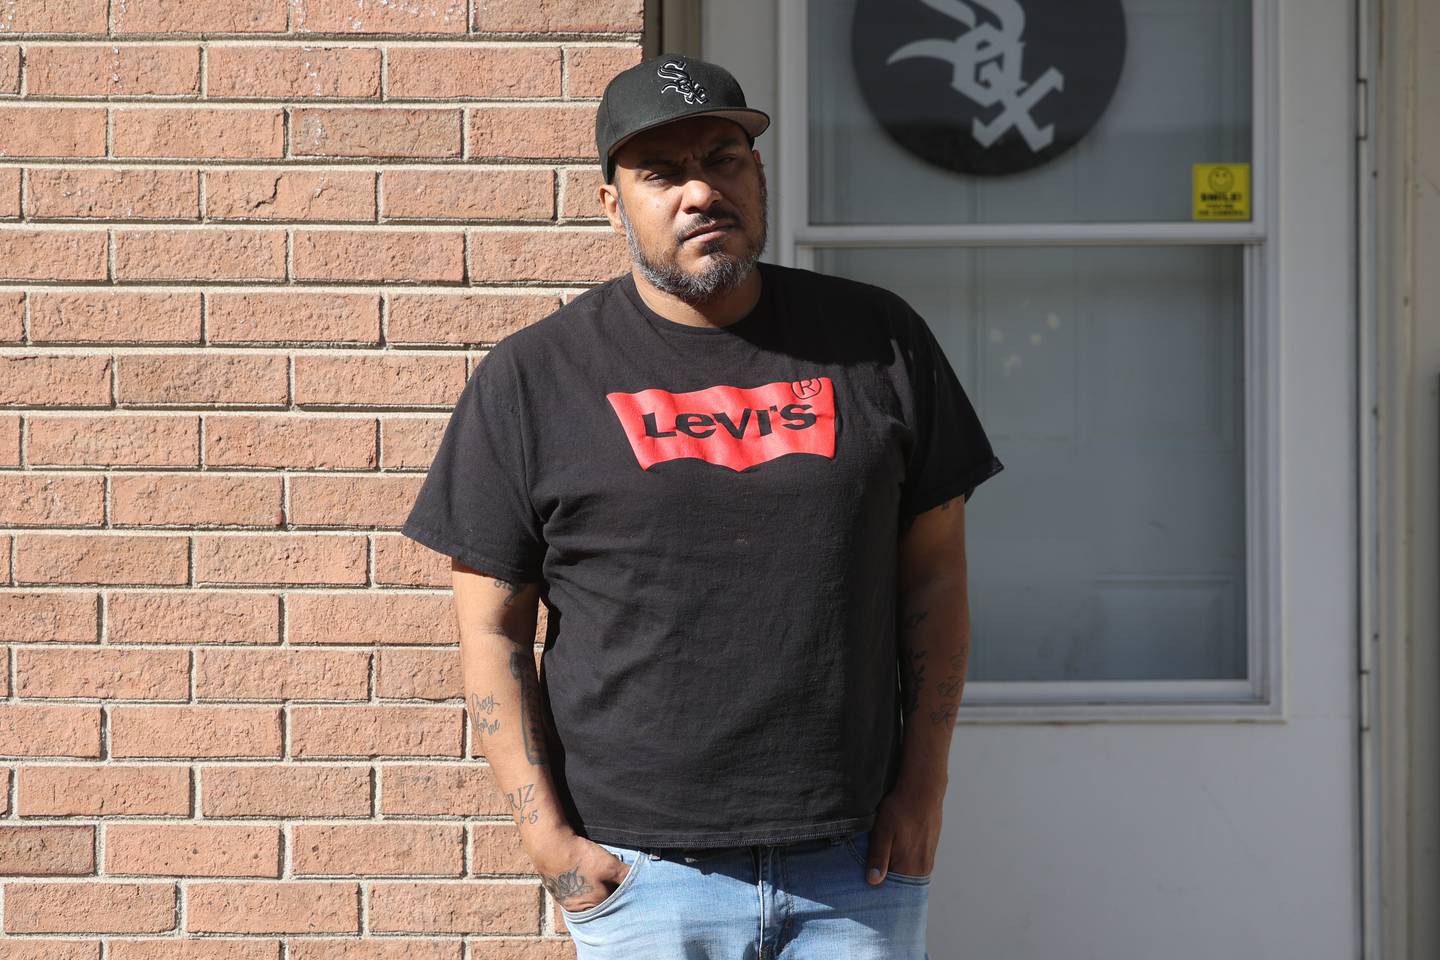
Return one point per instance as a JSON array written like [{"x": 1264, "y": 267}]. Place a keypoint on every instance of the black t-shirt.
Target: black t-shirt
[{"x": 714, "y": 515}]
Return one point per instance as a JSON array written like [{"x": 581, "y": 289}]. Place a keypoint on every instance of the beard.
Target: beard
[{"x": 722, "y": 272}]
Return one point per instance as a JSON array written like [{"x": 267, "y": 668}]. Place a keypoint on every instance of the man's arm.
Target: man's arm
[
  {"x": 502, "y": 699},
  {"x": 934, "y": 648}
]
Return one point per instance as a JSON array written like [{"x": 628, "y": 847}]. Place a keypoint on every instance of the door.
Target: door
[{"x": 1130, "y": 224}]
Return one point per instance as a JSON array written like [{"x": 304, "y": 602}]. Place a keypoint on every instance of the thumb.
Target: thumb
[{"x": 878, "y": 858}]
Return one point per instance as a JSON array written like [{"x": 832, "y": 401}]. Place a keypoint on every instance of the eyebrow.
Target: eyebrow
[{"x": 726, "y": 143}]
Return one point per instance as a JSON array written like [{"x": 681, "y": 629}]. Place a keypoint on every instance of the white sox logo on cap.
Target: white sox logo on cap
[{"x": 674, "y": 71}]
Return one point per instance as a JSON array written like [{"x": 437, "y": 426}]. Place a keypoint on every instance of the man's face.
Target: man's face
[{"x": 678, "y": 179}]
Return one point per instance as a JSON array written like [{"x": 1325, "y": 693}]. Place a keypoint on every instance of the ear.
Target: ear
[{"x": 608, "y": 194}]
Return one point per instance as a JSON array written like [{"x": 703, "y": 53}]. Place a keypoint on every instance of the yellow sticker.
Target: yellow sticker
[{"x": 1222, "y": 191}]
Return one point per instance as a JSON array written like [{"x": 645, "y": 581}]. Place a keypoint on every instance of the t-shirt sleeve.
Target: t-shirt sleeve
[
  {"x": 951, "y": 454},
  {"x": 474, "y": 504}
]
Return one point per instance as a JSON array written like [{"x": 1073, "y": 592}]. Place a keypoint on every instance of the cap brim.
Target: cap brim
[{"x": 755, "y": 123}]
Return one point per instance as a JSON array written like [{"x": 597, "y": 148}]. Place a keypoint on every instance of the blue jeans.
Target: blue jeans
[{"x": 792, "y": 901}]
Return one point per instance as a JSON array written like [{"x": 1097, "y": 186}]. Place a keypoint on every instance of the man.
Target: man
[{"x": 739, "y": 490}]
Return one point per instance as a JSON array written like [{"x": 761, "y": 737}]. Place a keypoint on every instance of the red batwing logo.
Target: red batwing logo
[{"x": 735, "y": 427}]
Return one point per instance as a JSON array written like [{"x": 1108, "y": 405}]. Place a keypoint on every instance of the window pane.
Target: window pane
[
  {"x": 1110, "y": 381},
  {"x": 1182, "y": 97}
]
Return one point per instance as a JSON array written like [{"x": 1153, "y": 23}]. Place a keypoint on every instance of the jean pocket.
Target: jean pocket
[
  {"x": 635, "y": 859},
  {"x": 859, "y": 846}
]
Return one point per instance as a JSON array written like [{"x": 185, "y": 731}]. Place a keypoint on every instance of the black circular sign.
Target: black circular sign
[{"x": 988, "y": 86}]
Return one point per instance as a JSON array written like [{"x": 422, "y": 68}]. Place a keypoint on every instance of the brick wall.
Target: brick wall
[{"x": 250, "y": 250}]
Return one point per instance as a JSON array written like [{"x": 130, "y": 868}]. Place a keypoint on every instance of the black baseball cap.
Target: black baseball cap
[{"x": 665, "y": 88}]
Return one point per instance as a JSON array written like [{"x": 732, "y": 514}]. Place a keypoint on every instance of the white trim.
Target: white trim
[{"x": 1261, "y": 695}]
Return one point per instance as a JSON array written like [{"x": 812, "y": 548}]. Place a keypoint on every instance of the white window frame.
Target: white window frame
[{"x": 1260, "y": 696}]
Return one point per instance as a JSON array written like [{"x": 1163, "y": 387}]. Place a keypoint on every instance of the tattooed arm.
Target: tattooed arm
[
  {"x": 502, "y": 702},
  {"x": 934, "y": 646}
]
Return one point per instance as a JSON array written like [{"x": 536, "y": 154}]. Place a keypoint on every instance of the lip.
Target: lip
[{"x": 712, "y": 231}]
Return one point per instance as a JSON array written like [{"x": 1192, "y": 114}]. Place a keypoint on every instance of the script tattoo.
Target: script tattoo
[
  {"x": 565, "y": 885},
  {"x": 522, "y": 668},
  {"x": 950, "y": 687},
  {"x": 912, "y": 678},
  {"x": 521, "y": 804},
  {"x": 479, "y": 709},
  {"x": 512, "y": 588}
]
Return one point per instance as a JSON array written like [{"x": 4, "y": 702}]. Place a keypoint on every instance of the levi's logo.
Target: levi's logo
[{"x": 734, "y": 427}]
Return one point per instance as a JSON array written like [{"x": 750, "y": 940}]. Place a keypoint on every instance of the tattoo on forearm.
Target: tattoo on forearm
[
  {"x": 522, "y": 668},
  {"x": 479, "y": 710},
  {"x": 563, "y": 886},
  {"x": 950, "y": 689},
  {"x": 512, "y": 588},
  {"x": 522, "y": 804},
  {"x": 912, "y": 678}
]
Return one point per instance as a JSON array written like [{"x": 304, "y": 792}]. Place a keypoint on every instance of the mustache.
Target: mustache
[{"x": 709, "y": 221}]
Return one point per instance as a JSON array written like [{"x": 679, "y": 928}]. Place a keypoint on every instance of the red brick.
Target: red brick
[
  {"x": 102, "y": 316},
  {"x": 114, "y": 441},
  {"x": 418, "y": 675},
  {"x": 379, "y": 849},
  {"x": 375, "y": 132},
  {"x": 408, "y": 380},
  {"x": 12, "y": 330},
  {"x": 580, "y": 193},
  {"x": 401, "y": 562},
  {"x": 397, "y": 256},
  {"x": 51, "y": 500},
  {"x": 370, "y": 618},
  {"x": 410, "y": 443},
  {"x": 155, "y": 730},
  {"x": 589, "y": 69},
  {"x": 292, "y": 73},
  {"x": 192, "y": 948},
  {"x": 195, "y": 500},
  {"x": 216, "y": 377},
  {"x": 464, "y": 318},
  {"x": 284, "y": 674},
  {"x": 199, "y": 16},
  {"x": 379, "y": 16},
  {"x": 233, "y": 133},
  {"x": 100, "y": 559},
  {"x": 103, "y": 790},
  {"x": 290, "y": 195},
  {"x": 70, "y": 193},
  {"x": 461, "y": 908},
  {"x": 286, "y": 560},
  {"x": 50, "y": 850},
  {"x": 497, "y": 848},
  {"x": 205, "y": 253},
  {"x": 49, "y": 616},
  {"x": 48, "y": 730},
  {"x": 490, "y": 72},
  {"x": 53, "y": 16},
  {"x": 75, "y": 255},
  {"x": 291, "y": 442},
  {"x": 10, "y": 193},
  {"x": 111, "y": 70},
  {"x": 410, "y": 948},
  {"x": 349, "y": 501},
  {"x": 307, "y": 317},
  {"x": 558, "y": 131},
  {"x": 571, "y": 255},
  {"x": 375, "y": 731},
  {"x": 192, "y": 616},
  {"x": 52, "y": 131},
  {"x": 285, "y": 791},
  {"x": 99, "y": 906},
  {"x": 277, "y": 907},
  {"x": 469, "y": 194},
  {"x": 10, "y": 440},
  {"x": 560, "y": 16},
  {"x": 62, "y": 380},
  {"x": 447, "y": 790},
  {"x": 104, "y": 672},
  {"x": 192, "y": 850},
  {"x": 9, "y": 69}
]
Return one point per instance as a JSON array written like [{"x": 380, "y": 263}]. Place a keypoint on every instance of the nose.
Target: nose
[{"x": 700, "y": 194}]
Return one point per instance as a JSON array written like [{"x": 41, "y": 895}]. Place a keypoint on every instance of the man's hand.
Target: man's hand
[
  {"x": 576, "y": 871},
  {"x": 906, "y": 832}
]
